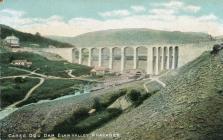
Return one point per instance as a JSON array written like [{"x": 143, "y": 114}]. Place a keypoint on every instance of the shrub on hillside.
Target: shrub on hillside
[
  {"x": 137, "y": 96},
  {"x": 97, "y": 105},
  {"x": 19, "y": 80},
  {"x": 81, "y": 123},
  {"x": 216, "y": 49},
  {"x": 96, "y": 120},
  {"x": 67, "y": 126},
  {"x": 106, "y": 101},
  {"x": 134, "y": 95}
]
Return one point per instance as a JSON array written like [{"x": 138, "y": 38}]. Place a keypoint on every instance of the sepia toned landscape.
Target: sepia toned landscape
[{"x": 125, "y": 70}]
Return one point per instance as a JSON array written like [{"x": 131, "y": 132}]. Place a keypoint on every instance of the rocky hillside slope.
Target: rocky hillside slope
[
  {"x": 42, "y": 117},
  {"x": 190, "y": 107}
]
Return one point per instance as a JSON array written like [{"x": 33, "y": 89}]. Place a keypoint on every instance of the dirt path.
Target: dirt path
[
  {"x": 9, "y": 77},
  {"x": 22, "y": 75},
  {"x": 31, "y": 72},
  {"x": 29, "y": 92},
  {"x": 54, "y": 77},
  {"x": 69, "y": 72}
]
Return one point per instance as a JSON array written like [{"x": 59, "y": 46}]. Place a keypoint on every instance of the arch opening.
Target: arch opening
[
  {"x": 75, "y": 55},
  {"x": 176, "y": 57},
  {"x": 159, "y": 59},
  {"x": 165, "y": 58},
  {"x": 154, "y": 60},
  {"x": 94, "y": 57},
  {"x": 128, "y": 58},
  {"x": 105, "y": 52},
  {"x": 116, "y": 52},
  {"x": 85, "y": 56},
  {"x": 141, "y": 60},
  {"x": 171, "y": 57}
]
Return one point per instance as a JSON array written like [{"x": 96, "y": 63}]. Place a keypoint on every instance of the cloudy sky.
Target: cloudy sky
[{"x": 74, "y": 17}]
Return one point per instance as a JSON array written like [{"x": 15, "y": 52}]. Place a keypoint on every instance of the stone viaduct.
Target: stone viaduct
[
  {"x": 157, "y": 58},
  {"x": 152, "y": 58}
]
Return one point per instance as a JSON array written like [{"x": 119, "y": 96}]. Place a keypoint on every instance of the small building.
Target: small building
[
  {"x": 51, "y": 46},
  {"x": 99, "y": 71},
  {"x": 24, "y": 63},
  {"x": 12, "y": 41},
  {"x": 134, "y": 73}
]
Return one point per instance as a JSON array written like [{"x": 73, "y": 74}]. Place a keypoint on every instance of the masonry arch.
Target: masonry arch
[
  {"x": 165, "y": 57},
  {"x": 160, "y": 57},
  {"x": 94, "y": 56},
  {"x": 85, "y": 56},
  {"x": 116, "y": 62},
  {"x": 141, "y": 58},
  {"x": 75, "y": 55},
  {"x": 154, "y": 65},
  {"x": 170, "y": 57},
  {"x": 105, "y": 52},
  {"x": 128, "y": 57},
  {"x": 176, "y": 57}
]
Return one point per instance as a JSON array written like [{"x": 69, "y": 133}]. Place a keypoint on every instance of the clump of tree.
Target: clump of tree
[
  {"x": 134, "y": 95},
  {"x": 20, "y": 80},
  {"x": 67, "y": 126},
  {"x": 211, "y": 37},
  {"x": 217, "y": 48},
  {"x": 38, "y": 34}
]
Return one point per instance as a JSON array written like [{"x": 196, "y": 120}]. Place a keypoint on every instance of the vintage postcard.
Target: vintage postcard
[{"x": 111, "y": 69}]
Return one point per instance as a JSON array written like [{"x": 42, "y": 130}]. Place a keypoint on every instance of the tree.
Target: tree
[
  {"x": 19, "y": 80},
  {"x": 38, "y": 34},
  {"x": 97, "y": 105},
  {"x": 216, "y": 49},
  {"x": 134, "y": 95},
  {"x": 11, "y": 58}
]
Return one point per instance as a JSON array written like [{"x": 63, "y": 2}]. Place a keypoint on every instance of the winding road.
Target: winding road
[
  {"x": 29, "y": 92},
  {"x": 69, "y": 72},
  {"x": 54, "y": 77},
  {"x": 42, "y": 78}
]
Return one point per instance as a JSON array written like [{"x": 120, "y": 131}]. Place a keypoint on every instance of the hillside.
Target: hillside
[
  {"x": 12, "y": 90},
  {"x": 30, "y": 40},
  {"x": 41, "y": 64},
  {"x": 219, "y": 37},
  {"x": 189, "y": 107},
  {"x": 132, "y": 37}
]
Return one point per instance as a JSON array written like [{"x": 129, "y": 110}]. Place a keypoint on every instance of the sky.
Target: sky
[{"x": 75, "y": 17}]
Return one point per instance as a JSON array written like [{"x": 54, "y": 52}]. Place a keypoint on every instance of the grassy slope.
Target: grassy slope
[
  {"x": 48, "y": 67},
  {"x": 132, "y": 37},
  {"x": 12, "y": 91},
  {"x": 2, "y": 50},
  {"x": 6, "y": 71},
  {"x": 26, "y": 38},
  {"x": 52, "y": 89},
  {"x": 190, "y": 107}
]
